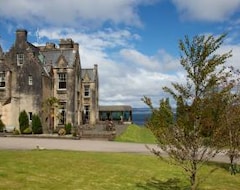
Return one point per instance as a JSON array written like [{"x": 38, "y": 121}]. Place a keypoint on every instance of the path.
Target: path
[
  {"x": 69, "y": 144},
  {"x": 18, "y": 143}
]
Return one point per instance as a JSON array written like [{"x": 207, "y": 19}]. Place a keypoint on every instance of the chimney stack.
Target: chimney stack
[
  {"x": 66, "y": 43},
  {"x": 76, "y": 46},
  {"x": 21, "y": 35}
]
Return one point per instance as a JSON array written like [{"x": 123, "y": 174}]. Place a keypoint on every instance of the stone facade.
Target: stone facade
[
  {"x": 90, "y": 95},
  {"x": 30, "y": 75}
]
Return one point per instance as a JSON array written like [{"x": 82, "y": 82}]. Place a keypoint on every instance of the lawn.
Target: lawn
[
  {"x": 60, "y": 170},
  {"x": 135, "y": 133}
]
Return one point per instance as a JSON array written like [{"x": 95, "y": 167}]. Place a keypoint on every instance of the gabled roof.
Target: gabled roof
[
  {"x": 52, "y": 56},
  {"x": 33, "y": 47},
  {"x": 61, "y": 62},
  {"x": 88, "y": 75}
]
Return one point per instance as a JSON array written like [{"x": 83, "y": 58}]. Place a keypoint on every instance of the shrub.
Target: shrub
[
  {"x": 62, "y": 132},
  {"x": 23, "y": 121},
  {"x": 68, "y": 128},
  {"x": 36, "y": 125},
  {"x": 16, "y": 131},
  {"x": 2, "y": 126},
  {"x": 74, "y": 133},
  {"x": 27, "y": 131}
]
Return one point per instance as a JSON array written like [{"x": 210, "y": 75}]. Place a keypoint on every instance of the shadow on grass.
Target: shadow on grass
[
  {"x": 154, "y": 184},
  {"x": 233, "y": 170},
  {"x": 224, "y": 166}
]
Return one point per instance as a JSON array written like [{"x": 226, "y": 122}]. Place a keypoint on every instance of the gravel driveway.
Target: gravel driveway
[
  {"x": 70, "y": 144},
  {"x": 18, "y": 143}
]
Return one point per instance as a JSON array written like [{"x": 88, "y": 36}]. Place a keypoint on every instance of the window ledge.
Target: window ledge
[{"x": 61, "y": 91}]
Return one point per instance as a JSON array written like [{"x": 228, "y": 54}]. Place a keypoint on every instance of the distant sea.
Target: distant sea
[{"x": 140, "y": 115}]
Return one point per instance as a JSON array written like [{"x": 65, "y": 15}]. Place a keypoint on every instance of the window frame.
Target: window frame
[
  {"x": 87, "y": 113},
  {"x": 2, "y": 80},
  {"x": 86, "y": 90},
  {"x": 30, "y": 80},
  {"x": 20, "y": 59},
  {"x": 30, "y": 114},
  {"x": 62, "y": 113},
  {"x": 62, "y": 79}
]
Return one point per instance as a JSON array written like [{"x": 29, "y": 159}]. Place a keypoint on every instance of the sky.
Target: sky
[{"x": 133, "y": 42}]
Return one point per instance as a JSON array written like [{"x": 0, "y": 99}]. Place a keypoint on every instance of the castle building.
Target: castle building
[{"x": 30, "y": 76}]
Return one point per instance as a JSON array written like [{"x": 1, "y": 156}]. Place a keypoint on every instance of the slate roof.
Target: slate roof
[
  {"x": 52, "y": 56},
  {"x": 115, "y": 108},
  {"x": 90, "y": 73}
]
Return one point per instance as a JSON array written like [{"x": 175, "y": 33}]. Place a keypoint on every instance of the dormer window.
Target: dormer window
[
  {"x": 2, "y": 79},
  {"x": 20, "y": 59},
  {"x": 62, "y": 81}
]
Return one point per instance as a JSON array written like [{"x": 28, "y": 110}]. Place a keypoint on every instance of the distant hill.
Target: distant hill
[{"x": 140, "y": 115}]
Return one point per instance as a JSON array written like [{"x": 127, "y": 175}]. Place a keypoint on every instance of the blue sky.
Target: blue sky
[{"x": 134, "y": 42}]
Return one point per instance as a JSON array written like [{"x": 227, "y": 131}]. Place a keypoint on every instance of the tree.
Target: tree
[
  {"x": 2, "y": 126},
  {"x": 160, "y": 118},
  {"x": 23, "y": 121},
  {"x": 192, "y": 138},
  {"x": 36, "y": 125},
  {"x": 232, "y": 134},
  {"x": 68, "y": 128},
  {"x": 230, "y": 124},
  {"x": 49, "y": 106}
]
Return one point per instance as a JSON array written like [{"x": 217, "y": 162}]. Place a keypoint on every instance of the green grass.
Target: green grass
[
  {"x": 60, "y": 170},
  {"x": 136, "y": 134}
]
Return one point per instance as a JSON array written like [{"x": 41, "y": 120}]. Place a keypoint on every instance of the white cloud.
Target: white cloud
[
  {"x": 131, "y": 88},
  {"x": 138, "y": 59},
  {"x": 161, "y": 61},
  {"x": 146, "y": 75},
  {"x": 100, "y": 39},
  {"x": 128, "y": 80},
  {"x": 207, "y": 10},
  {"x": 73, "y": 12},
  {"x": 235, "y": 59}
]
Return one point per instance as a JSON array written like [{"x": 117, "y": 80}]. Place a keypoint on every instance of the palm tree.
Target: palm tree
[{"x": 49, "y": 106}]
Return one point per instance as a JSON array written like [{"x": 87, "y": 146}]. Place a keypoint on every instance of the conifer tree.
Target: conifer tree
[
  {"x": 36, "y": 124},
  {"x": 23, "y": 121}
]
